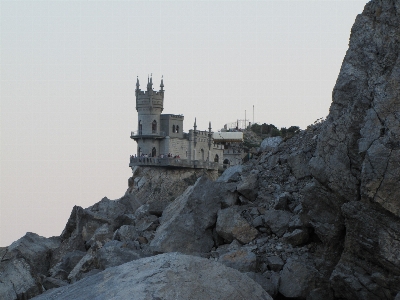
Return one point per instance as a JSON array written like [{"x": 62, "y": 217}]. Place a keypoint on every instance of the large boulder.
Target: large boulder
[
  {"x": 186, "y": 224},
  {"x": 297, "y": 279},
  {"x": 270, "y": 143},
  {"x": 23, "y": 263},
  {"x": 231, "y": 225},
  {"x": 166, "y": 276}
]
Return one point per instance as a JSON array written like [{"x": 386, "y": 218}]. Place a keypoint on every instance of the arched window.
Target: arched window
[
  {"x": 202, "y": 154},
  {"x": 140, "y": 127},
  {"x": 154, "y": 126},
  {"x": 173, "y": 128},
  {"x": 216, "y": 158},
  {"x": 177, "y": 128}
]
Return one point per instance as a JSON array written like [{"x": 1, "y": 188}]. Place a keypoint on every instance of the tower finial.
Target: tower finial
[
  {"x": 137, "y": 82},
  {"x": 162, "y": 83}
]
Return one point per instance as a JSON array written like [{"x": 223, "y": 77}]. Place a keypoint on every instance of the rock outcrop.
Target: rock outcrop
[
  {"x": 165, "y": 276},
  {"x": 314, "y": 216}
]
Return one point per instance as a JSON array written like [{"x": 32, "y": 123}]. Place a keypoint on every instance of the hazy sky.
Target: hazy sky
[{"x": 68, "y": 72}]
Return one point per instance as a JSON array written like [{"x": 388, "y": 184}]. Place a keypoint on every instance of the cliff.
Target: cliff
[{"x": 316, "y": 216}]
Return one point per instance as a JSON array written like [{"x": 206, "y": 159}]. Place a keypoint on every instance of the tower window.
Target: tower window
[
  {"x": 140, "y": 127},
  {"x": 154, "y": 126},
  {"x": 177, "y": 128},
  {"x": 173, "y": 128}
]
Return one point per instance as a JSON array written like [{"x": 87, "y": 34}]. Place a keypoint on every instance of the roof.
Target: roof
[{"x": 228, "y": 137}]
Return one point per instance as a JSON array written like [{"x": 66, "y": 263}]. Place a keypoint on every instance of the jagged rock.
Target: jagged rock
[
  {"x": 126, "y": 233},
  {"x": 275, "y": 263},
  {"x": 22, "y": 265},
  {"x": 86, "y": 264},
  {"x": 270, "y": 143},
  {"x": 231, "y": 174},
  {"x": 370, "y": 264},
  {"x": 102, "y": 235},
  {"x": 281, "y": 202},
  {"x": 116, "y": 253},
  {"x": 324, "y": 210},
  {"x": 186, "y": 224},
  {"x": 231, "y": 225},
  {"x": 66, "y": 265},
  {"x": 296, "y": 237},
  {"x": 278, "y": 221},
  {"x": 297, "y": 279},
  {"x": 242, "y": 259},
  {"x": 165, "y": 276},
  {"x": 298, "y": 162},
  {"x": 52, "y": 283},
  {"x": 248, "y": 187}
]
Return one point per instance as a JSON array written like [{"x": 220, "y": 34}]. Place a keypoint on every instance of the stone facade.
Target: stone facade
[{"x": 159, "y": 135}]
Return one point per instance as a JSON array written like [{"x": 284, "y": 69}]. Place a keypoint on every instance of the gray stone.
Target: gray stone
[
  {"x": 231, "y": 225},
  {"x": 22, "y": 265},
  {"x": 281, "y": 202},
  {"x": 278, "y": 221},
  {"x": 53, "y": 283},
  {"x": 242, "y": 259},
  {"x": 86, "y": 264},
  {"x": 275, "y": 263},
  {"x": 231, "y": 174},
  {"x": 298, "y": 162},
  {"x": 102, "y": 235},
  {"x": 296, "y": 237},
  {"x": 269, "y": 283},
  {"x": 270, "y": 143},
  {"x": 66, "y": 265},
  {"x": 166, "y": 276},
  {"x": 126, "y": 233},
  {"x": 297, "y": 279},
  {"x": 186, "y": 224},
  {"x": 248, "y": 187},
  {"x": 116, "y": 253}
]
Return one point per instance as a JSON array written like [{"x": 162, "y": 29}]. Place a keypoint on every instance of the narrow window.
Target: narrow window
[
  {"x": 177, "y": 128},
  {"x": 154, "y": 126},
  {"x": 173, "y": 128}
]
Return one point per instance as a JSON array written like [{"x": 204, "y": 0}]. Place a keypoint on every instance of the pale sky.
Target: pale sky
[{"x": 68, "y": 72}]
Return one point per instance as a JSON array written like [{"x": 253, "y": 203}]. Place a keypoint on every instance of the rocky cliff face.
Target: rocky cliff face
[{"x": 313, "y": 217}]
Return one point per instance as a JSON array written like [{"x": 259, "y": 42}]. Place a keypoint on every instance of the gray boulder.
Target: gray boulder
[
  {"x": 296, "y": 237},
  {"x": 297, "y": 279},
  {"x": 231, "y": 225},
  {"x": 248, "y": 187},
  {"x": 278, "y": 221},
  {"x": 275, "y": 263},
  {"x": 126, "y": 233},
  {"x": 270, "y": 143},
  {"x": 166, "y": 276},
  {"x": 66, "y": 265},
  {"x": 23, "y": 263},
  {"x": 116, "y": 253},
  {"x": 231, "y": 174},
  {"x": 186, "y": 224},
  {"x": 242, "y": 259}
]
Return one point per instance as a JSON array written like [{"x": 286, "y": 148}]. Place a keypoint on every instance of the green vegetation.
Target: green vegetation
[{"x": 270, "y": 130}]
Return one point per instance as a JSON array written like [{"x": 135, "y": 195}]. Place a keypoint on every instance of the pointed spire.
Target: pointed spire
[
  {"x": 149, "y": 82},
  {"x": 137, "y": 82},
  {"x": 162, "y": 83},
  {"x": 209, "y": 126}
]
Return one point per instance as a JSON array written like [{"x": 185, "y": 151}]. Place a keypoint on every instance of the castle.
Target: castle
[{"x": 161, "y": 140}]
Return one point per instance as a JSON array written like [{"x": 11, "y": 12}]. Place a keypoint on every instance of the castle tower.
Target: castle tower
[{"x": 149, "y": 105}]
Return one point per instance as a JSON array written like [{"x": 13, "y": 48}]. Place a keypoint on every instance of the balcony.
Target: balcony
[
  {"x": 154, "y": 135},
  {"x": 172, "y": 163}
]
